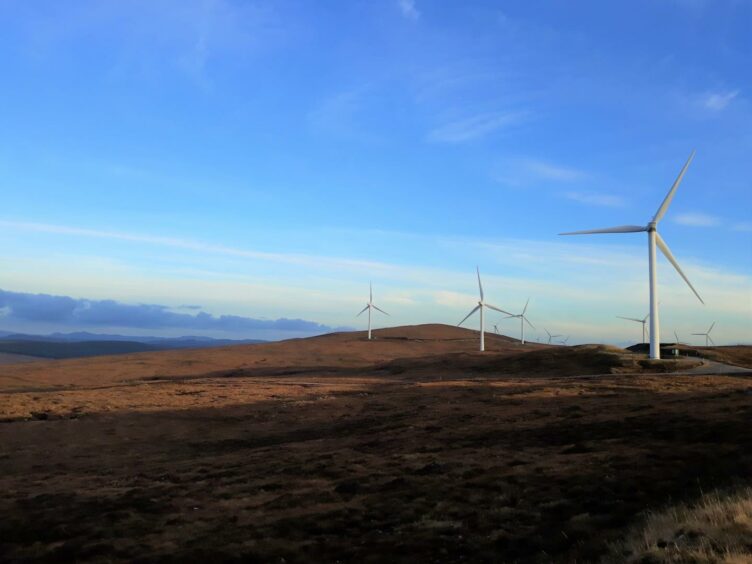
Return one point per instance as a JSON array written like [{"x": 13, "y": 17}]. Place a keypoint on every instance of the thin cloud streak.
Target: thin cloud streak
[
  {"x": 475, "y": 127},
  {"x": 303, "y": 260},
  {"x": 718, "y": 101},
  {"x": 696, "y": 219}
]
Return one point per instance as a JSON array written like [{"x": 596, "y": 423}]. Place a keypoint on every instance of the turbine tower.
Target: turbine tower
[
  {"x": 653, "y": 239},
  {"x": 482, "y": 304},
  {"x": 708, "y": 339},
  {"x": 369, "y": 307},
  {"x": 644, "y": 320},
  {"x": 523, "y": 320},
  {"x": 550, "y": 336}
]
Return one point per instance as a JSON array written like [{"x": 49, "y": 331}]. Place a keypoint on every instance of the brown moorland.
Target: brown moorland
[{"x": 411, "y": 447}]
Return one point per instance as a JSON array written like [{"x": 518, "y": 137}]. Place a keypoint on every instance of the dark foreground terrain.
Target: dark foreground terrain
[{"x": 404, "y": 461}]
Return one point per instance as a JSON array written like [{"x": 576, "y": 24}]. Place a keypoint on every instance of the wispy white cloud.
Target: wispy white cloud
[
  {"x": 717, "y": 101},
  {"x": 745, "y": 226},
  {"x": 549, "y": 171},
  {"x": 520, "y": 172},
  {"x": 475, "y": 127},
  {"x": 182, "y": 34},
  {"x": 408, "y": 9},
  {"x": 191, "y": 245},
  {"x": 594, "y": 199},
  {"x": 696, "y": 219}
]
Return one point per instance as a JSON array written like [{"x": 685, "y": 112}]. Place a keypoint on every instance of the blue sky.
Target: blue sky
[{"x": 267, "y": 159}]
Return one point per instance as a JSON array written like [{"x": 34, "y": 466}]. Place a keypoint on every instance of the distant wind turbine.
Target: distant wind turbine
[
  {"x": 369, "y": 307},
  {"x": 564, "y": 342},
  {"x": 523, "y": 320},
  {"x": 496, "y": 329},
  {"x": 653, "y": 239},
  {"x": 482, "y": 304},
  {"x": 550, "y": 336},
  {"x": 676, "y": 336},
  {"x": 644, "y": 320},
  {"x": 708, "y": 338}
]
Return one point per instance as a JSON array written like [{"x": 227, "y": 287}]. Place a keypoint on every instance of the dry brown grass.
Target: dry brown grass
[{"x": 715, "y": 529}]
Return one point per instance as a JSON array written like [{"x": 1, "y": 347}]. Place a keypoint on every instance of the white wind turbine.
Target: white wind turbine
[
  {"x": 644, "y": 320},
  {"x": 550, "y": 336},
  {"x": 369, "y": 307},
  {"x": 481, "y": 306},
  {"x": 523, "y": 320},
  {"x": 653, "y": 239},
  {"x": 707, "y": 336},
  {"x": 564, "y": 342}
]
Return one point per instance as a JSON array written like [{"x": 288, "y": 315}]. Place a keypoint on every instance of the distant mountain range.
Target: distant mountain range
[{"x": 81, "y": 344}]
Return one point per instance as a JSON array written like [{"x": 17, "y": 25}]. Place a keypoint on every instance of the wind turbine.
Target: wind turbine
[
  {"x": 496, "y": 329},
  {"x": 523, "y": 320},
  {"x": 707, "y": 335},
  {"x": 369, "y": 307},
  {"x": 676, "y": 336},
  {"x": 550, "y": 336},
  {"x": 644, "y": 320},
  {"x": 653, "y": 239},
  {"x": 564, "y": 342},
  {"x": 481, "y": 305}
]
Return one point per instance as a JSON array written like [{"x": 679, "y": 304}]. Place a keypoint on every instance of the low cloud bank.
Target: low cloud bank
[{"x": 71, "y": 312}]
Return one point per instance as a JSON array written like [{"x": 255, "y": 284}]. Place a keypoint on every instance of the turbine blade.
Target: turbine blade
[
  {"x": 528, "y": 322},
  {"x": 510, "y": 316},
  {"x": 379, "y": 309},
  {"x": 699, "y": 334},
  {"x": 670, "y": 196},
  {"x": 476, "y": 308},
  {"x": 480, "y": 286},
  {"x": 667, "y": 252},
  {"x": 630, "y": 319},
  {"x": 619, "y": 229},
  {"x": 500, "y": 310},
  {"x": 362, "y": 310},
  {"x": 711, "y": 340},
  {"x": 711, "y": 328},
  {"x": 546, "y": 330},
  {"x": 525, "y": 308},
  {"x": 370, "y": 292}
]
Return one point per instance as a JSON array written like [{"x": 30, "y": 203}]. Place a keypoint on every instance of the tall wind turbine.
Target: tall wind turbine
[
  {"x": 550, "y": 336},
  {"x": 644, "y": 320},
  {"x": 523, "y": 320},
  {"x": 653, "y": 239},
  {"x": 369, "y": 307},
  {"x": 708, "y": 339},
  {"x": 482, "y": 304}
]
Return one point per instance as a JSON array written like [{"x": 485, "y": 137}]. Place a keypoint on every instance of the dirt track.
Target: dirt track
[{"x": 407, "y": 465}]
